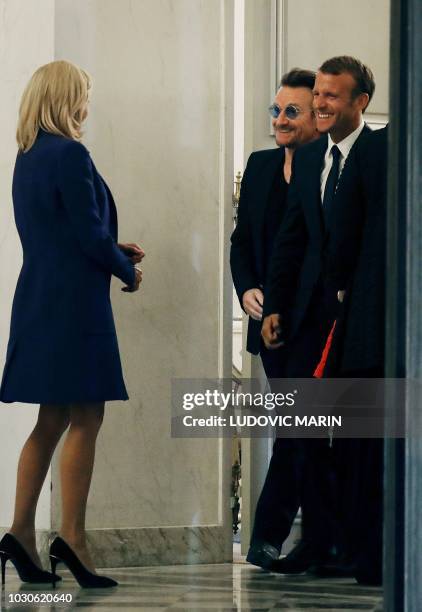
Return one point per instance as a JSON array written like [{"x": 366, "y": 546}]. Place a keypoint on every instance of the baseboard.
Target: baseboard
[
  {"x": 150, "y": 546},
  {"x": 160, "y": 546}
]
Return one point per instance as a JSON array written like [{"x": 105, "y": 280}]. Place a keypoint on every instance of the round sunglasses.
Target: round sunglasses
[{"x": 291, "y": 112}]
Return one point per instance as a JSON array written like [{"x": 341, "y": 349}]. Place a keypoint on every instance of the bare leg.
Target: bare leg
[
  {"x": 77, "y": 463},
  {"x": 33, "y": 466}
]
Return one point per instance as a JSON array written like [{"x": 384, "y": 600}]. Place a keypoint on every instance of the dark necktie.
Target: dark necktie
[{"x": 331, "y": 184}]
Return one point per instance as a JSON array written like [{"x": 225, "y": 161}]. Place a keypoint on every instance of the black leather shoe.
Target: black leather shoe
[
  {"x": 299, "y": 560},
  {"x": 60, "y": 552},
  {"x": 262, "y": 555},
  {"x": 12, "y": 550}
]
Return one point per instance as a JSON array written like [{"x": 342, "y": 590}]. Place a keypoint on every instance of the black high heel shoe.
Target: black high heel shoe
[
  {"x": 12, "y": 550},
  {"x": 60, "y": 552}
]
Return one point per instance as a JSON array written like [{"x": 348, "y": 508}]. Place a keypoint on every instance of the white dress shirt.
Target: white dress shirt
[{"x": 344, "y": 146}]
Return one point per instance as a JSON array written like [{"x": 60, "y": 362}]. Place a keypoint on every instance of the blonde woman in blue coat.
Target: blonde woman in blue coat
[{"x": 62, "y": 352}]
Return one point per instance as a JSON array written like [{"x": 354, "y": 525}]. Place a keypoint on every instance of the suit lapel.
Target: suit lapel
[
  {"x": 262, "y": 194},
  {"x": 274, "y": 166},
  {"x": 313, "y": 180},
  {"x": 366, "y": 130}
]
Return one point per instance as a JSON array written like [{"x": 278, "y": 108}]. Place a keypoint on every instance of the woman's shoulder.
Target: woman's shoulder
[
  {"x": 69, "y": 146},
  {"x": 72, "y": 153}
]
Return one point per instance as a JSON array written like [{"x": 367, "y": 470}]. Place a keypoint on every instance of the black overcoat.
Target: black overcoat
[
  {"x": 249, "y": 255},
  {"x": 357, "y": 256}
]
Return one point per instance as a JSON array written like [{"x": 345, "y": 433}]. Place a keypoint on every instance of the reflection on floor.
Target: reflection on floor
[{"x": 214, "y": 588}]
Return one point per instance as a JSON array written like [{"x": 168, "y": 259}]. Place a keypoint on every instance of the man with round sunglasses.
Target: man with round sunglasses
[{"x": 263, "y": 201}]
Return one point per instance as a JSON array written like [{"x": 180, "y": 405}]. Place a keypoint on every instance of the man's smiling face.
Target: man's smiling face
[
  {"x": 337, "y": 110},
  {"x": 292, "y": 133}
]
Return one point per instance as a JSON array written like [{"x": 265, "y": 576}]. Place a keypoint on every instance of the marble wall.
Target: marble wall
[
  {"x": 160, "y": 132},
  {"x": 314, "y": 31},
  {"x": 26, "y": 42},
  {"x": 282, "y": 34}
]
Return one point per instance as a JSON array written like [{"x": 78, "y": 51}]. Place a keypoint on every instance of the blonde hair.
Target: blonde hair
[{"x": 53, "y": 100}]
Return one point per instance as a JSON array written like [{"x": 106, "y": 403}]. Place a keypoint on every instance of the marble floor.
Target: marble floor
[{"x": 214, "y": 588}]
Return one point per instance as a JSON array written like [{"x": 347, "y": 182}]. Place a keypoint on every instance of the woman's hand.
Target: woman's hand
[
  {"x": 132, "y": 250},
  {"x": 138, "y": 281}
]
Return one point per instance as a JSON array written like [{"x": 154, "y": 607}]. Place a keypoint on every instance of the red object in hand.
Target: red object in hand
[{"x": 319, "y": 371}]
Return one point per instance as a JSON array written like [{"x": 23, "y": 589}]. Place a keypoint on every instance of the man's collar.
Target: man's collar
[{"x": 347, "y": 143}]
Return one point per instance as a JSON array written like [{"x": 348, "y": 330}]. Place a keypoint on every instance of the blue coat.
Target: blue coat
[{"x": 63, "y": 346}]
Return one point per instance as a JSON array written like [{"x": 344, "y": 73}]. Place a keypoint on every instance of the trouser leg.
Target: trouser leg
[{"x": 281, "y": 495}]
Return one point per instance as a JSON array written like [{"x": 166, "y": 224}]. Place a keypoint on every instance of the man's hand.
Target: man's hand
[
  {"x": 271, "y": 329},
  {"x": 340, "y": 295},
  {"x": 132, "y": 250},
  {"x": 252, "y": 301},
  {"x": 138, "y": 281}
]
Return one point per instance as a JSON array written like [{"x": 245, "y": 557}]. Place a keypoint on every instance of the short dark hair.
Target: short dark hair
[
  {"x": 363, "y": 76},
  {"x": 297, "y": 77}
]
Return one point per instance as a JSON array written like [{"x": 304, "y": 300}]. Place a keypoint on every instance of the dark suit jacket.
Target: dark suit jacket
[
  {"x": 248, "y": 255},
  {"x": 357, "y": 255},
  {"x": 63, "y": 345},
  {"x": 298, "y": 260}
]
